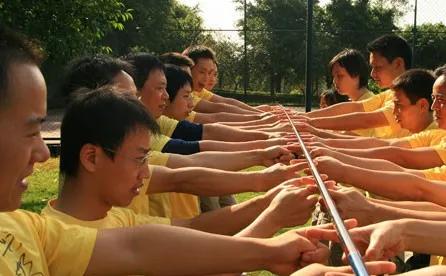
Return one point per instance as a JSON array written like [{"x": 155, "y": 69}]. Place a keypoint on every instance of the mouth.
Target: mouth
[{"x": 137, "y": 189}]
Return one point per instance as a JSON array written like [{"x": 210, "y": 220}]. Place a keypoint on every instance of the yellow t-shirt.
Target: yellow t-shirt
[
  {"x": 367, "y": 132},
  {"x": 158, "y": 158},
  {"x": 437, "y": 173},
  {"x": 428, "y": 138},
  {"x": 191, "y": 116},
  {"x": 384, "y": 103},
  {"x": 167, "y": 125},
  {"x": 157, "y": 142},
  {"x": 116, "y": 217},
  {"x": 204, "y": 94},
  {"x": 195, "y": 100},
  {"x": 184, "y": 206},
  {"x": 34, "y": 245}
]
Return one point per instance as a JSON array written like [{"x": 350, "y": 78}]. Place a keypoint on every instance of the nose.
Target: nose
[
  {"x": 165, "y": 95},
  {"x": 41, "y": 152},
  {"x": 435, "y": 105},
  {"x": 145, "y": 172},
  {"x": 373, "y": 74}
]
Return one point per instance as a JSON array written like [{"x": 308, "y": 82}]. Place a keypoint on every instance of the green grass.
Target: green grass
[{"x": 43, "y": 185}]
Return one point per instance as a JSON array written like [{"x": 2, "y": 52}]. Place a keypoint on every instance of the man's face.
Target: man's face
[
  {"x": 201, "y": 72},
  {"x": 20, "y": 143},
  {"x": 212, "y": 78},
  {"x": 407, "y": 114},
  {"x": 121, "y": 178},
  {"x": 383, "y": 71},
  {"x": 124, "y": 81},
  {"x": 180, "y": 107},
  {"x": 439, "y": 103},
  {"x": 153, "y": 94},
  {"x": 342, "y": 80}
]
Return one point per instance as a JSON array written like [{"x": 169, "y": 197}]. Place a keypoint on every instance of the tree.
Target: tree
[
  {"x": 430, "y": 47},
  {"x": 66, "y": 29}
]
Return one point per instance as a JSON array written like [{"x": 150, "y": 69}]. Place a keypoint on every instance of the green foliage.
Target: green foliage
[
  {"x": 277, "y": 53},
  {"x": 66, "y": 28},
  {"x": 430, "y": 44}
]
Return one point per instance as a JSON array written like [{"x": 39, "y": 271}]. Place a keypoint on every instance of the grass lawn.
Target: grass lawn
[{"x": 43, "y": 185}]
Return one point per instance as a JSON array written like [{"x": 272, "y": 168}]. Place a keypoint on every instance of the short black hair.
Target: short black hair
[
  {"x": 391, "y": 47},
  {"x": 354, "y": 63},
  {"x": 416, "y": 84},
  {"x": 91, "y": 72},
  {"x": 440, "y": 71},
  {"x": 331, "y": 97},
  {"x": 176, "y": 59},
  {"x": 176, "y": 79},
  {"x": 200, "y": 51},
  {"x": 15, "y": 48},
  {"x": 143, "y": 64},
  {"x": 102, "y": 117}
]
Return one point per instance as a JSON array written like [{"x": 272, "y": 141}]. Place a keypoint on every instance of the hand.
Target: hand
[
  {"x": 286, "y": 251},
  {"x": 278, "y": 173},
  {"x": 374, "y": 268},
  {"x": 295, "y": 182},
  {"x": 292, "y": 206},
  {"x": 275, "y": 154},
  {"x": 334, "y": 168},
  {"x": 351, "y": 203},
  {"x": 379, "y": 241}
]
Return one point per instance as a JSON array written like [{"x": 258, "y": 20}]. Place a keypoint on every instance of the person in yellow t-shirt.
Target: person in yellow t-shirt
[
  {"x": 36, "y": 245},
  {"x": 151, "y": 83},
  {"x": 424, "y": 150},
  {"x": 91, "y": 188},
  {"x": 390, "y": 56},
  {"x": 350, "y": 73},
  {"x": 217, "y": 112},
  {"x": 203, "y": 71}
]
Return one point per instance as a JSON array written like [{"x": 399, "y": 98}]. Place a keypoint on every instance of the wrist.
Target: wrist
[{"x": 409, "y": 233}]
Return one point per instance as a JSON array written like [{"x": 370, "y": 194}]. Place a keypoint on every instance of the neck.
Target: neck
[
  {"x": 357, "y": 93},
  {"x": 423, "y": 123},
  {"x": 78, "y": 200}
]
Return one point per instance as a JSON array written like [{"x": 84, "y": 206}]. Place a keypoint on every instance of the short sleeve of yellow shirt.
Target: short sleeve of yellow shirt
[
  {"x": 377, "y": 101},
  {"x": 427, "y": 138},
  {"x": 116, "y": 217},
  {"x": 195, "y": 100},
  {"x": 438, "y": 173},
  {"x": 191, "y": 116},
  {"x": 204, "y": 94},
  {"x": 157, "y": 142},
  {"x": 158, "y": 158},
  {"x": 36, "y": 245},
  {"x": 167, "y": 125}
]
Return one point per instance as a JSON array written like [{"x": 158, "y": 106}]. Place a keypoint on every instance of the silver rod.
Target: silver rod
[{"x": 353, "y": 254}]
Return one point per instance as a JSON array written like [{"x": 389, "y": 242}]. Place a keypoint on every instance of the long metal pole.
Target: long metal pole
[
  {"x": 309, "y": 57},
  {"x": 245, "y": 55},
  {"x": 414, "y": 32},
  {"x": 353, "y": 254}
]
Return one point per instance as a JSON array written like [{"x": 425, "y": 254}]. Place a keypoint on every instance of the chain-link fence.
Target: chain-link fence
[{"x": 264, "y": 55}]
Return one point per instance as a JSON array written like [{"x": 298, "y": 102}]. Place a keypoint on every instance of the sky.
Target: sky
[{"x": 222, "y": 14}]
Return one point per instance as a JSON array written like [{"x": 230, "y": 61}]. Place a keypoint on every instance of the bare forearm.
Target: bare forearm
[
  {"x": 384, "y": 212},
  {"x": 352, "y": 121},
  {"x": 394, "y": 185},
  {"x": 212, "y": 182},
  {"x": 336, "y": 109},
  {"x": 411, "y": 205},
  {"x": 235, "y": 217},
  {"x": 220, "y": 132},
  {"x": 261, "y": 227},
  {"x": 240, "y": 104},
  {"x": 357, "y": 143},
  {"x": 168, "y": 250},
  {"x": 209, "y": 145},
  {"x": 417, "y": 239},
  {"x": 227, "y": 118},
  {"x": 420, "y": 158}
]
